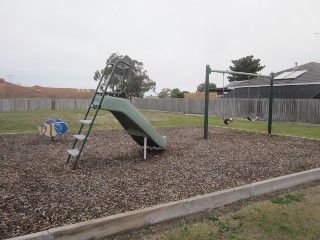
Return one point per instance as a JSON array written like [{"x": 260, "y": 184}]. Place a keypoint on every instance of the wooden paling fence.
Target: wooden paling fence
[
  {"x": 287, "y": 110},
  {"x": 26, "y": 104}
]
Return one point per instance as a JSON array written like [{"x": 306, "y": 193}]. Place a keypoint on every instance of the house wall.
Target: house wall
[{"x": 287, "y": 92}]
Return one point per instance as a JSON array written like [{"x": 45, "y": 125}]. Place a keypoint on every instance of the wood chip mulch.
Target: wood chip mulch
[{"x": 38, "y": 190}]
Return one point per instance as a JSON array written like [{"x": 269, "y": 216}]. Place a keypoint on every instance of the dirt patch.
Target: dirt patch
[{"x": 38, "y": 191}]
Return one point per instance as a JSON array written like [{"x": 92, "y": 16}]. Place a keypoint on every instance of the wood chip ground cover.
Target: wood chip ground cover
[{"x": 38, "y": 191}]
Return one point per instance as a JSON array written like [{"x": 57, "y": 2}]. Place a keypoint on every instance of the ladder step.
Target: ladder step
[
  {"x": 94, "y": 106},
  {"x": 88, "y": 122},
  {"x": 80, "y": 137},
  {"x": 73, "y": 152}
]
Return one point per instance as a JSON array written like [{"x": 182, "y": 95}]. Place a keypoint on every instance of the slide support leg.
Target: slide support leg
[{"x": 145, "y": 148}]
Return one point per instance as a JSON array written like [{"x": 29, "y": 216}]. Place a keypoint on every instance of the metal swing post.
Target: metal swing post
[
  {"x": 223, "y": 103},
  {"x": 270, "y": 104},
  {"x": 206, "y": 103}
]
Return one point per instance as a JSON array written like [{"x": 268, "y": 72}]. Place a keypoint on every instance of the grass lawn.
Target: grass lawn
[
  {"x": 290, "y": 216},
  {"x": 28, "y": 121}
]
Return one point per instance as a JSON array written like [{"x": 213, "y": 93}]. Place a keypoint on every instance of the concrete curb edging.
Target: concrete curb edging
[{"x": 110, "y": 225}]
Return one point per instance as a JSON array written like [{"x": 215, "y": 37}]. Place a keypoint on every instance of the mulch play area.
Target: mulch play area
[{"x": 38, "y": 191}]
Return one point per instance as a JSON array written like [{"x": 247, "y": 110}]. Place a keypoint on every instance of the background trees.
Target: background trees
[
  {"x": 246, "y": 64},
  {"x": 137, "y": 81},
  {"x": 201, "y": 87},
  {"x": 174, "y": 93},
  {"x": 164, "y": 93}
]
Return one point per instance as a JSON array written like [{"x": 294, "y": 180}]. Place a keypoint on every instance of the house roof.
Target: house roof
[
  {"x": 10, "y": 90},
  {"x": 310, "y": 77},
  {"x": 233, "y": 84},
  {"x": 64, "y": 93},
  {"x": 304, "y": 85}
]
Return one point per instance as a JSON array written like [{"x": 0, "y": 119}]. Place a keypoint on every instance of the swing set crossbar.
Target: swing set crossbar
[{"x": 240, "y": 73}]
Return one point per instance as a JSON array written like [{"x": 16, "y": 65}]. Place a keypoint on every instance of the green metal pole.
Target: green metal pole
[
  {"x": 206, "y": 102},
  {"x": 270, "y": 104}
]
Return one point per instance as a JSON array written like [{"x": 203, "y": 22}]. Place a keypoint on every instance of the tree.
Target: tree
[
  {"x": 246, "y": 64},
  {"x": 136, "y": 83},
  {"x": 164, "y": 93},
  {"x": 201, "y": 87},
  {"x": 175, "y": 93}
]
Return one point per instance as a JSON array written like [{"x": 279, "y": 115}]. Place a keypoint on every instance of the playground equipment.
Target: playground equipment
[
  {"x": 137, "y": 126},
  {"x": 225, "y": 119},
  {"x": 206, "y": 109},
  {"x": 52, "y": 128}
]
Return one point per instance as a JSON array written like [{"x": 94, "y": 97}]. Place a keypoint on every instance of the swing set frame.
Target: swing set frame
[{"x": 206, "y": 105}]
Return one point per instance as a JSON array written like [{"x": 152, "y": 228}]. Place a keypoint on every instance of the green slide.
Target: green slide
[{"x": 137, "y": 126}]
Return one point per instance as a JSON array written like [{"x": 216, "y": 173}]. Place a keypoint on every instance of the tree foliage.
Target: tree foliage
[
  {"x": 176, "y": 93},
  {"x": 246, "y": 64},
  {"x": 171, "y": 93},
  {"x": 136, "y": 83},
  {"x": 164, "y": 93},
  {"x": 201, "y": 87}
]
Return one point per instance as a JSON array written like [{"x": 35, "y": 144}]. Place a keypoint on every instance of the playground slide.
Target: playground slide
[{"x": 137, "y": 126}]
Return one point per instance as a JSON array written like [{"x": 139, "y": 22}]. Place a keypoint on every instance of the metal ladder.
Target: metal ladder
[{"x": 81, "y": 137}]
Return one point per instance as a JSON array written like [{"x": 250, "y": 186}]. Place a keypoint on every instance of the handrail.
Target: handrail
[
  {"x": 111, "y": 76},
  {"x": 92, "y": 100}
]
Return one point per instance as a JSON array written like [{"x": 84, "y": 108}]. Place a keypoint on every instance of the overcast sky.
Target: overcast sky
[{"x": 60, "y": 43}]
